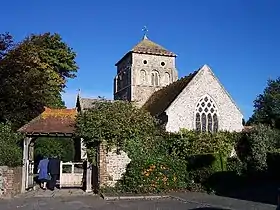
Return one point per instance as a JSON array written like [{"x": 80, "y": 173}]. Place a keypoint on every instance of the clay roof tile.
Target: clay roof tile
[{"x": 52, "y": 121}]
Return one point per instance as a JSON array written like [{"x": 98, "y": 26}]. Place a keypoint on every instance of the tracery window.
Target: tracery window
[
  {"x": 206, "y": 117},
  {"x": 155, "y": 78}
]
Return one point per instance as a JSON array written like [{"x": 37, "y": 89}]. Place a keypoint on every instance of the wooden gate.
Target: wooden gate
[
  {"x": 71, "y": 174},
  {"x": 29, "y": 174}
]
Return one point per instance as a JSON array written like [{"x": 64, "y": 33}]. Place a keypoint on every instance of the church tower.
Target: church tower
[{"x": 143, "y": 70}]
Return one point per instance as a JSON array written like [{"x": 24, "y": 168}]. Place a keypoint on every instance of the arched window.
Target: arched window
[
  {"x": 119, "y": 79},
  {"x": 206, "y": 117},
  {"x": 166, "y": 78},
  {"x": 155, "y": 78},
  {"x": 143, "y": 77}
]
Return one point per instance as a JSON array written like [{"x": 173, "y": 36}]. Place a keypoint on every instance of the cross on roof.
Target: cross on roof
[{"x": 145, "y": 30}]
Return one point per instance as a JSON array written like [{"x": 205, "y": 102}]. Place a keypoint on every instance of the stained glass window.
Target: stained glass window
[
  {"x": 210, "y": 124},
  {"x": 206, "y": 117},
  {"x": 197, "y": 122},
  {"x": 215, "y": 120}
]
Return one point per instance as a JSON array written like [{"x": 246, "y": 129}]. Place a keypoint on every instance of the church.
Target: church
[{"x": 147, "y": 76}]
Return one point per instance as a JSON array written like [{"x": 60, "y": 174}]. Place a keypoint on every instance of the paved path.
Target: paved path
[
  {"x": 92, "y": 203},
  {"x": 78, "y": 200}
]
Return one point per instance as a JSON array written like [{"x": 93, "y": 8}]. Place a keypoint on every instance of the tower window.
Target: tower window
[
  {"x": 142, "y": 77},
  {"x": 206, "y": 118},
  {"x": 145, "y": 62},
  {"x": 155, "y": 78},
  {"x": 166, "y": 78},
  {"x": 162, "y": 64}
]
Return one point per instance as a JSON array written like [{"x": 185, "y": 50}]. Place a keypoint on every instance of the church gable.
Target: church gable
[{"x": 190, "y": 111}]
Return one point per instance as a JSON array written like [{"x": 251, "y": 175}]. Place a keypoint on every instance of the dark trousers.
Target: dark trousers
[{"x": 52, "y": 182}]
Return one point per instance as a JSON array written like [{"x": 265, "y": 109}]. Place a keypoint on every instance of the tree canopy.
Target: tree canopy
[
  {"x": 33, "y": 74},
  {"x": 267, "y": 105}
]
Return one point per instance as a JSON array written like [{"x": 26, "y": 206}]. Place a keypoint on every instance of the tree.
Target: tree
[
  {"x": 117, "y": 124},
  {"x": 10, "y": 150},
  {"x": 6, "y": 43},
  {"x": 49, "y": 146},
  {"x": 267, "y": 105},
  {"x": 33, "y": 74}
]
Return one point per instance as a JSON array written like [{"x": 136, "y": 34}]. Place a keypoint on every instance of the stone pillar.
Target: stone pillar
[
  {"x": 83, "y": 150},
  {"x": 88, "y": 177},
  {"x": 102, "y": 165}
]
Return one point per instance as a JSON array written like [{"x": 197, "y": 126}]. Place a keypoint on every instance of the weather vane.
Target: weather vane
[{"x": 145, "y": 30}]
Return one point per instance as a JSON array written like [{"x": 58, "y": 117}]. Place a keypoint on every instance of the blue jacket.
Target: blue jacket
[{"x": 43, "y": 169}]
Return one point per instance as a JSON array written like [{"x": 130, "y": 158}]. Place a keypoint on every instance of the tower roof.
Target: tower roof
[{"x": 146, "y": 46}]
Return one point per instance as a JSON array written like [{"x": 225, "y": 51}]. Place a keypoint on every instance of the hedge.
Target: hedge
[{"x": 155, "y": 174}]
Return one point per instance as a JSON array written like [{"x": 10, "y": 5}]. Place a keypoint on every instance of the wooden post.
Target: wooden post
[
  {"x": 24, "y": 178},
  {"x": 60, "y": 175},
  {"x": 89, "y": 177}
]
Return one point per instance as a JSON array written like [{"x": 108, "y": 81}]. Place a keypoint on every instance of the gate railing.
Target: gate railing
[
  {"x": 71, "y": 174},
  {"x": 29, "y": 174}
]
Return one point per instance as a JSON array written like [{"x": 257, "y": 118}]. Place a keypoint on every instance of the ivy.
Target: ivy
[{"x": 117, "y": 124}]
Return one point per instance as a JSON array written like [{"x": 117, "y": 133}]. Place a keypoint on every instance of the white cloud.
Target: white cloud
[{"x": 70, "y": 96}]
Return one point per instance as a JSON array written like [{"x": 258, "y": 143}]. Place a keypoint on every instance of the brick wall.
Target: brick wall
[
  {"x": 10, "y": 181},
  {"x": 111, "y": 166}
]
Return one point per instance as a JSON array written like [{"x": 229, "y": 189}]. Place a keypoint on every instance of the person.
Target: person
[
  {"x": 53, "y": 170},
  {"x": 43, "y": 172}
]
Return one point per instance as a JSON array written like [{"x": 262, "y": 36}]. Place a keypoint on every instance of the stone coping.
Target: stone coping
[{"x": 130, "y": 196}]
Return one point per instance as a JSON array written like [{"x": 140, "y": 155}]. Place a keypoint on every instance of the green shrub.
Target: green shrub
[
  {"x": 155, "y": 174},
  {"x": 273, "y": 161},
  {"x": 10, "y": 149},
  {"x": 62, "y": 147},
  {"x": 186, "y": 143},
  {"x": 235, "y": 165},
  {"x": 254, "y": 146},
  {"x": 203, "y": 166}
]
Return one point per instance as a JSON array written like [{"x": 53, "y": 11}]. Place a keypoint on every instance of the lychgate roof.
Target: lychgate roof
[{"x": 52, "y": 121}]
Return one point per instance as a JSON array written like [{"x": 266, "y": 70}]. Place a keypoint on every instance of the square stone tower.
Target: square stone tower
[{"x": 143, "y": 70}]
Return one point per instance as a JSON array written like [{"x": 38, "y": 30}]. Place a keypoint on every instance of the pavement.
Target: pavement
[{"x": 78, "y": 200}]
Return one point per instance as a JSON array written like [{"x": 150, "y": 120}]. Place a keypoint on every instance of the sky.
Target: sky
[{"x": 238, "y": 39}]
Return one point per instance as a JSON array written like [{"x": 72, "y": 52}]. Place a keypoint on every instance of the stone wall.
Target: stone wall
[
  {"x": 111, "y": 166},
  {"x": 141, "y": 89},
  {"x": 10, "y": 181}
]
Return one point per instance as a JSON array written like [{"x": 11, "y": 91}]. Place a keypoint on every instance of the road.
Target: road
[{"x": 94, "y": 202}]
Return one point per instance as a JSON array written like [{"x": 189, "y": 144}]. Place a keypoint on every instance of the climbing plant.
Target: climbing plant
[{"x": 117, "y": 124}]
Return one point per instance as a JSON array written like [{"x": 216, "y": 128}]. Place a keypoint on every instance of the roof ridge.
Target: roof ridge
[{"x": 160, "y": 100}]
